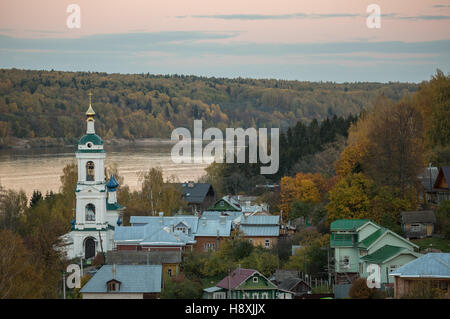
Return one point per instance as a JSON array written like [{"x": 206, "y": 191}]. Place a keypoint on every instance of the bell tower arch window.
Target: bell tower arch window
[
  {"x": 90, "y": 169},
  {"x": 90, "y": 213}
]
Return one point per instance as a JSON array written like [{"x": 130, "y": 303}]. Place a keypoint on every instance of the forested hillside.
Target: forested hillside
[{"x": 52, "y": 103}]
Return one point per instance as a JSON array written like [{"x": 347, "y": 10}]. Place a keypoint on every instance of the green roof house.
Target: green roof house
[
  {"x": 246, "y": 284},
  {"x": 226, "y": 204},
  {"x": 360, "y": 242}
]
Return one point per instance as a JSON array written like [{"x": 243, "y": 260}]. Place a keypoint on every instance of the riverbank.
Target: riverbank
[{"x": 15, "y": 143}]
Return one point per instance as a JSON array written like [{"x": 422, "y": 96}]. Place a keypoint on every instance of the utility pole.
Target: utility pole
[{"x": 64, "y": 284}]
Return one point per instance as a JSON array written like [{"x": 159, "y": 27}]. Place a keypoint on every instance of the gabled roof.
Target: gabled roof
[
  {"x": 236, "y": 278},
  {"x": 386, "y": 253},
  {"x": 369, "y": 240},
  {"x": 163, "y": 237},
  {"x": 431, "y": 265},
  {"x": 195, "y": 192},
  {"x": 151, "y": 235},
  {"x": 133, "y": 278},
  {"x": 233, "y": 204},
  {"x": 347, "y": 224},
  {"x": 444, "y": 173},
  {"x": 425, "y": 216},
  {"x": 291, "y": 283},
  {"x": 428, "y": 177}
]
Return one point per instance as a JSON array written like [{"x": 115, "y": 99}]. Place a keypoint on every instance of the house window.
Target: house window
[
  {"x": 346, "y": 262},
  {"x": 113, "y": 286},
  {"x": 255, "y": 279},
  {"x": 255, "y": 295},
  {"x": 251, "y": 241},
  {"x": 415, "y": 227},
  {"x": 169, "y": 272},
  {"x": 209, "y": 246},
  {"x": 267, "y": 243},
  {"x": 362, "y": 252},
  {"x": 392, "y": 268},
  {"x": 265, "y": 295},
  {"x": 222, "y": 203}
]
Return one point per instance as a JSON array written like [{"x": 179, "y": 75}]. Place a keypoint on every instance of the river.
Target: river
[{"x": 40, "y": 169}]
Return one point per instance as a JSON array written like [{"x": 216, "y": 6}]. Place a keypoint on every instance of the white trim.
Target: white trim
[{"x": 388, "y": 231}]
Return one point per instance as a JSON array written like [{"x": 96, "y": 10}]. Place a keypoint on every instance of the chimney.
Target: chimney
[
  {"x": 239, "y": 269},
  {"x": 161, "y": 215},
  {"x": 114, "y": 271},
  {"x": 203, "y": 221},
  {"x": 222, "y": 220}
]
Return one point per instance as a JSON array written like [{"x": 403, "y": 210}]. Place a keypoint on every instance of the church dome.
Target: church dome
[
  {"x": 112, "y": 183},
  {"x": 93, "y": 138}
]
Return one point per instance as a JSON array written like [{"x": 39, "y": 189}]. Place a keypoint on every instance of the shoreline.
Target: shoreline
[{"x": 57, "y": 142}]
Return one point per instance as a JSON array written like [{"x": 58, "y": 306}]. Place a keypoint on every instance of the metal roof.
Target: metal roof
[
  {"x": 431, "y": 265},
  {"x": 260, "y": 230},
  {"x": 93, "y": 138},
  {"x": 347, "y": 224},
  {"x": 425, "y": 216},
  {"x": 384, "y": 253},
  {"x": 196, "y": 193},
  {"x": 229, "y": 215},
  {"x": 133, "y": 278},
  {"x": 260, "y": 220},
  {"x": 168, "y": 221},
  {"x": 213, "y": 227}
]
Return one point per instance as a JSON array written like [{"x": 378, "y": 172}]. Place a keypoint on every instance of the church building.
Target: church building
[{"x": 97, "y": 210}]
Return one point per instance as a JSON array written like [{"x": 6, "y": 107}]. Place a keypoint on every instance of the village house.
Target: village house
[
  {"x": 418, "y": 224},
  {"x": 211, "y": 232},
  {"x": 124, "y": 282},
  {"x": 160, "y": 233},
  {"x": 260, "y": 230},
  {"x": 198, "y": 196},
  {"x": 226, "y": 203},
  {"x": 356, "y": 243},
  {"x": 431, "y": 269},
  {"x": 441, "y": 189},
  {"x": 169, "y": 260},
  {"x": 246, "y": 284}
]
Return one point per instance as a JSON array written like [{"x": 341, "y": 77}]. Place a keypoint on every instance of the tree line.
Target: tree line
[{"x": 50, "y": 104}]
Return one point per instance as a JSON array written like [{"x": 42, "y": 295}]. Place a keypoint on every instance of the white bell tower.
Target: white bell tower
[
  {"x": 97, "y": 210},
  {"x": 91, "y": 186}
]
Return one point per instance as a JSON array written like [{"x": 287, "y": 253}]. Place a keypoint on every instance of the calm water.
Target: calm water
[{"x": 41, "y": 168}]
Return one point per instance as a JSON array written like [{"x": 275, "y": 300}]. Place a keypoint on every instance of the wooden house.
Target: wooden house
[{"x": 418, "y": 224}]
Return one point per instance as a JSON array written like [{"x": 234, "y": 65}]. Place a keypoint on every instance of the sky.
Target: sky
[{"x": 307, "y": 40}]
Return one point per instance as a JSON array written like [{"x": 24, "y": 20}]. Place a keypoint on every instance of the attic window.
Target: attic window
[
  {"x": 222, "y": 203},
  {"x": 255, "y": 280},
  {"x": 113, "y": 286},
  {"x": 89, "y": 145}
]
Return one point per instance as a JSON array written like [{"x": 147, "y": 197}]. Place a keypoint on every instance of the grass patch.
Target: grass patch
[{"x": 433, "y": 242}]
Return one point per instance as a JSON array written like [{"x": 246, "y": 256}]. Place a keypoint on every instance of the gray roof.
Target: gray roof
[
  {"x": 260, "y": 230},
  {"x": 425, "y": 216},
  {"x": 428, "y": 177},
  {"x": 431, "y": 265},
  {"x": 229, "y": 215},
  {"x": 281, "y": 275},
  {"x": 212, "y": 289},
  {"x": 213, "y": 227},
  {"x": 291, "y": 283},
  {"x": 446, "y": 174},
  {"x": 133, "y": 278},
  {"x": 151, "y": 234},
  {"x": 132, "y": 257},
  {"x": 168, "y": 221},
  {"x": 260, "y": 220},
  {"x": 197, "y": 193}
]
